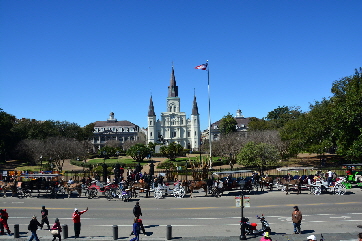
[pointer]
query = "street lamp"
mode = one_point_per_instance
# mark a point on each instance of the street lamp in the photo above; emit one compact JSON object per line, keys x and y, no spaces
{"x":242,"y":222}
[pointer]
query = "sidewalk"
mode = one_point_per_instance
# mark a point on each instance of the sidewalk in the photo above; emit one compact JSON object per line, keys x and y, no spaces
{"x":277,"y":237}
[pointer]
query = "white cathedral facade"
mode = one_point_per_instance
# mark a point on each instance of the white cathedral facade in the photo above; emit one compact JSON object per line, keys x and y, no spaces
{"x":173,"y":125}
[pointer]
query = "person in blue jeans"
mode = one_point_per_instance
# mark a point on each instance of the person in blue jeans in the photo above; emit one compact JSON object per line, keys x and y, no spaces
{"x":33,"y":226}
{"x":136,"y":230}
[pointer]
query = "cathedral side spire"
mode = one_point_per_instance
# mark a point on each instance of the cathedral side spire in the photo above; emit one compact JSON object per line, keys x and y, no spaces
{"x":195,"y":109}
{"x":173,"y":88}
{"x":151,"y":108}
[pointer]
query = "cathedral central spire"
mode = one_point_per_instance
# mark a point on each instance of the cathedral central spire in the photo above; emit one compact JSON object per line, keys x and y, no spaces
{"x":173,"y":88}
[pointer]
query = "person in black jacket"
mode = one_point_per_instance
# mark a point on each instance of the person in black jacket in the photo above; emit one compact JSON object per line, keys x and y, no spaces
{"x":44,"y":217}
{"x":32,"y":227}
{"x":137,"y":212}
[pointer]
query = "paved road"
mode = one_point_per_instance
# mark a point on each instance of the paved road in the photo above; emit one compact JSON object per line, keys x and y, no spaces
{"x":200,"y":218}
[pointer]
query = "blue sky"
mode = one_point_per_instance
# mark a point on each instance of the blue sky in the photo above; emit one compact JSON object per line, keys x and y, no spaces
{"x":79,"y":60}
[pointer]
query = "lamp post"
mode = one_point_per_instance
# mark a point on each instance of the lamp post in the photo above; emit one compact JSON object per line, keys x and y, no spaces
{"x":242,"y":222}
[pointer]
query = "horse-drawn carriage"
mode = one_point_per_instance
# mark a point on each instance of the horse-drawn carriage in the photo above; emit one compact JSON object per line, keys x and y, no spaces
{"x":178,"y":190}
{"x":354,"y":174}
{"x":320,"y":186}
{"x":110,"y":191}
{"x":39,"y":184}
{"x":232,"y":180}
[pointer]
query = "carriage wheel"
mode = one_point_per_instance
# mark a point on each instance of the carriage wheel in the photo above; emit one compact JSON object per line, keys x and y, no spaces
{"x":317,"y":191}
{"x":20,"y":193}
{"x":254,"y":187}
{"x":108,"y":194}
{"x":340,"y":189}
{"x":157,"y":193}
{"x":179,"y":192}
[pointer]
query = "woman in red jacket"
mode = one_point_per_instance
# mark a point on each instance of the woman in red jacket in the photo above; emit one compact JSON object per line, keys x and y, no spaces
{"x":76,"y":221}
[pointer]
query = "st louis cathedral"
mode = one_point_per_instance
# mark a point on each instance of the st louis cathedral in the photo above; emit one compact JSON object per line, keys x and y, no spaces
{"x":173,"y":126}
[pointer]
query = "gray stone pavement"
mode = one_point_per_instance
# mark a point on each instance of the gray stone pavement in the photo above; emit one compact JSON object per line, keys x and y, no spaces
{"x":277,"y":237}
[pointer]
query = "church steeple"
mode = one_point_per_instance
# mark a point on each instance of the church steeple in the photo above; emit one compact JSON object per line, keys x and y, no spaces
{"x":195,"y":109}
{"x":151,"y":108}
{"x":173,"y":88}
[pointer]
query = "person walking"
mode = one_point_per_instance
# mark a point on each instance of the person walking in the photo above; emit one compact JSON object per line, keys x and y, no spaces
{"x":58,"y":228}
{"x":44,"y":217}
{"x":4,"y":222}
{"x":137,"y":212}
{"x":32,"y":227}
{"x":297,"y":219}
{"x":76,"y":221}
{"x":136,"y":230}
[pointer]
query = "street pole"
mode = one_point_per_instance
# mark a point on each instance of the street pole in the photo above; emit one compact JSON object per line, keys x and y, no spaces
{"x":242,"y":223}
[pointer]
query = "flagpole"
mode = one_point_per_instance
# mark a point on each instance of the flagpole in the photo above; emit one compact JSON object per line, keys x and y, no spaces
{"x":208,"y":88}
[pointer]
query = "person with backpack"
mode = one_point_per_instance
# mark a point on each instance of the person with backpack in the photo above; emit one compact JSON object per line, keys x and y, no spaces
{"x":137,"y":212}
{"x":32,"y":227}
{"x":44,"y":217}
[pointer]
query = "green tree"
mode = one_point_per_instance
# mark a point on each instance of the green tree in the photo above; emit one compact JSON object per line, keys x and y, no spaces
{"x":138,"y":152}
{"x":312,"y":131}
{"x":261,"y":155}
{"x":227,"y":124}
{"x":347,"y":115}
{"x":171,"y":150}
{"x":281,"y":115}
{"x":256,"y":124}
{"x":6,"y":137}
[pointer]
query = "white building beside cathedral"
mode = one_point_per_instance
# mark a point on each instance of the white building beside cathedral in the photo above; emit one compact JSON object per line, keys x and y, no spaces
{"x":173,"y":125}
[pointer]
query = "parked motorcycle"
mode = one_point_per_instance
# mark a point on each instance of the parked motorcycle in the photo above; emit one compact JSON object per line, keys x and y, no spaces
{"x":250,"y":228}
{"x":264,"y":224}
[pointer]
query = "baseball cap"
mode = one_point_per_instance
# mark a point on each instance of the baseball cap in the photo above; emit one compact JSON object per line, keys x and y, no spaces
{"x":266,"y":234}
{"x":75,"y":209}
{"x":312,"y":237}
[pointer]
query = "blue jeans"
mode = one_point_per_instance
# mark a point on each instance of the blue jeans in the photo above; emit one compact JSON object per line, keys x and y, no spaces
{"x":136,"y":238}
{"x":329,"y":180}
{"x":296,"y":227}
{"x":34,"y":235}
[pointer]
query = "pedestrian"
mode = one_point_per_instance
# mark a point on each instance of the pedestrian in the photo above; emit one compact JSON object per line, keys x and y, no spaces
{"x":76,"y":221}
{"x":312,"y":238}
{"x":137,"y":212}
{"x":136,"y":230}
{"x":140,"y":223}
{"x":4,"y":222}
{"x":44,"y":217}
{"x":32,"y":227}
{"x":360,"y":237}
{"x":266,"y":237}
{"x":56,"y":230}
{"x":297,"y":219}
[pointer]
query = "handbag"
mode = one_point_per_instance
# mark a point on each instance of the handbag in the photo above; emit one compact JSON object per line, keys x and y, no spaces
{"x":54,"y":232}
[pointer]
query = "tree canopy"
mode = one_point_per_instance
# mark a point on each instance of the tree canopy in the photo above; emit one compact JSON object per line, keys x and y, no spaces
{"x":227,"y":124}
{"x":260,"y":155}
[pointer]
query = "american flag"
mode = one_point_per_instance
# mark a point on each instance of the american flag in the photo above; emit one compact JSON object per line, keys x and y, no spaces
{"x":202,"y":67}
